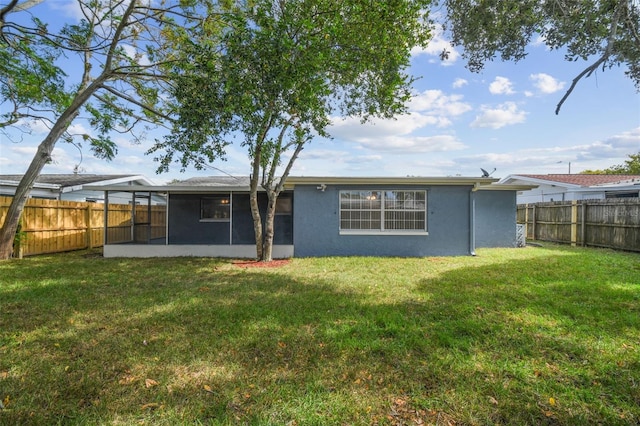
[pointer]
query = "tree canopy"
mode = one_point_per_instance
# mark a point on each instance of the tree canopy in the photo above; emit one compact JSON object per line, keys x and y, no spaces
{"x":604,"y":32}
{"x":278,"y":75}
{"x":109,"y":67}
{"x":630,"y":167}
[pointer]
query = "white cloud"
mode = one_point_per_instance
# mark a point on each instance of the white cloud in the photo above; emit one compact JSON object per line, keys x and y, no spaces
{"x":435,"y":102}
{"x":545,"y":83}
{"x":501,"y":86}
{"x":351,"y":129}
{"x":436,"y":47}
{"x":132,"y":53}
{"x":459,"y":82}
{"x":539,"y":41}
{"x":595,"y":155}
{"x":68,"y":8}
{"x":505,"y":114}
{"x":413,"y":144}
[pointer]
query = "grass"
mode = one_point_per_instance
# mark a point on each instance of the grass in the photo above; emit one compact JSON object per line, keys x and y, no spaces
{"x":541,"y":335}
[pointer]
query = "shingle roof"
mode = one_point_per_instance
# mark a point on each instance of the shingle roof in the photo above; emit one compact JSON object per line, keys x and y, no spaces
{"x":586,"y":180}
{"x":65,"y":180}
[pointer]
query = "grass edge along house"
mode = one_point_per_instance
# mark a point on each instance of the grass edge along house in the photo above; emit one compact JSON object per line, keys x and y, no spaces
{"x":317,"y":216}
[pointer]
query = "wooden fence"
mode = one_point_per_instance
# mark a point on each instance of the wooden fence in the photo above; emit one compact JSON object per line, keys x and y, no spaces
{"x":52,"y":226}
{"x":611,"y":223}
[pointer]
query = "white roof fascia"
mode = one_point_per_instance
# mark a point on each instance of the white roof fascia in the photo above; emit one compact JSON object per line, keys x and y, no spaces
{"x":35,"y":185}
{"x":506,"y":187}
{"x":333,"y":180}
{"x":175,"y":189}
{"x":537,"y":181}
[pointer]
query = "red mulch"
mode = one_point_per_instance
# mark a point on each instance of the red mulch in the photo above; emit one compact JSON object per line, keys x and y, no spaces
{"x":256,"y":264}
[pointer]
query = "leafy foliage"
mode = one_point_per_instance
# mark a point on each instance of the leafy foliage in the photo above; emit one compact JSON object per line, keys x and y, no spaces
{"x":603,"y":31}
{"x":280,"y":71}
{"x":111,"y":65}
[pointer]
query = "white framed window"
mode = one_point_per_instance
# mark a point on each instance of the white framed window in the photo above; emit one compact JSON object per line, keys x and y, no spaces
{"x":388,"y":211}
{"x":216,"y":208}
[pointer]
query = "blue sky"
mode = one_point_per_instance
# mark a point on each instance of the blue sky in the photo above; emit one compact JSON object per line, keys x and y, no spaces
{"x":459,"y":122}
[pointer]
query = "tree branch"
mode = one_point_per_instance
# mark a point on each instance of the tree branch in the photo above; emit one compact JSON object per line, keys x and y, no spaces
{"x":131,"y":100}
{"x":611,"y":39}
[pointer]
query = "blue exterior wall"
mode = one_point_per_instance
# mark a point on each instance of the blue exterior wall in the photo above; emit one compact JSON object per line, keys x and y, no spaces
{"x":316,"y":217}
{"x":495,"y":218}
{"x":185,"y":226}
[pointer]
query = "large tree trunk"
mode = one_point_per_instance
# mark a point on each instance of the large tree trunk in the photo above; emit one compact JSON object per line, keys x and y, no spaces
{"x":42,"y":157}
{"x":253,"y":200}
{"x":257,"y":222}
{"x":269,"y":228}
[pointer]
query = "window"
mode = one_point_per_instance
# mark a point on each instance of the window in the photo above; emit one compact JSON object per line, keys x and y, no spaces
{"x":383,"y":211}
{"x":215,"y":208}
{"x":284,"y":204}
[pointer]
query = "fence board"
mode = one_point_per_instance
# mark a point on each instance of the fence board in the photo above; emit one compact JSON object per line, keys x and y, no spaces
{"x":51,"y":226}
{"x":611,"y":223}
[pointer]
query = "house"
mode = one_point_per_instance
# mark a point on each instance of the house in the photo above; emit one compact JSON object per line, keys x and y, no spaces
{"x":563,"y":187}
{"x":71,"y":187}
{"x":323,"y":216}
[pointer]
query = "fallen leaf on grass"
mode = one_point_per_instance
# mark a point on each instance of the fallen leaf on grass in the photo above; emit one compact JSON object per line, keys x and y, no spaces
{"x":552,"y":401}
{"x":127,"y":379}
{"x":493,"y":400}
{"x":151,"y":406}
{"x":207,"y":388}
{"x":149,"y":383}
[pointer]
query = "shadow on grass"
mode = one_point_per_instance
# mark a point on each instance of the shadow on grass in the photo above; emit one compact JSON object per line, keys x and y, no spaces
{"x":195,"y":340}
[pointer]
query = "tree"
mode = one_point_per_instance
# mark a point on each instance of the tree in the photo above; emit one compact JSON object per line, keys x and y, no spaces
{"x":118,"y":53}
{"x":630,"y":167}
{"x":605,"y":32}
{"x":282,"y":69}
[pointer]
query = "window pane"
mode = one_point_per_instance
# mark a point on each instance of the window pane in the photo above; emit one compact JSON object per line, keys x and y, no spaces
{"x":284,"y":205}
{"x":383,"y":210}
{"x":215,"y":208}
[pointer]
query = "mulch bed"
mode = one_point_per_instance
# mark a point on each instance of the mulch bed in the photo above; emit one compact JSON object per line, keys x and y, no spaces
{"x":257,"y":264}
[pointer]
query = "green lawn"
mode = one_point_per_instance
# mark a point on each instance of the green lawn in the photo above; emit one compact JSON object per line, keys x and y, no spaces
{"x":541,"y":335}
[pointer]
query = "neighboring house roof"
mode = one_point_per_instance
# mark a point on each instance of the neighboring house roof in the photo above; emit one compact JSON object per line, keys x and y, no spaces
{"x":574,"y":181}
{"x":54,"y":185}
{"x":67,"y":180}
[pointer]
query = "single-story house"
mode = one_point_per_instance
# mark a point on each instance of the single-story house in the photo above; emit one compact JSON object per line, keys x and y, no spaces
{"x":323,"y":216}
{"x":71,"y":187}
{"x":563,"y":187}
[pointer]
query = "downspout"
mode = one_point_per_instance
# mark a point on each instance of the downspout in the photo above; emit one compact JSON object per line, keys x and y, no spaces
{"x":472,"y":219}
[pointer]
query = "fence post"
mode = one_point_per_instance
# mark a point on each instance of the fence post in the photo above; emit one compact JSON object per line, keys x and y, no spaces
{"x":583,"y":225}
{"x":88,"y":216}
{"x":533,"y":223}
{"x":526,"y":221}
{"x":574,"y":223}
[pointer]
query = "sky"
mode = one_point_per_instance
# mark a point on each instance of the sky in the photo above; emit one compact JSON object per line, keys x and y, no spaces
{"x":501,"y":120}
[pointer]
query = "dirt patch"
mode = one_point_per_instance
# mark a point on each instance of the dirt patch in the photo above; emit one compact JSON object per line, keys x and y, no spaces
{"x":257,"y":264}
